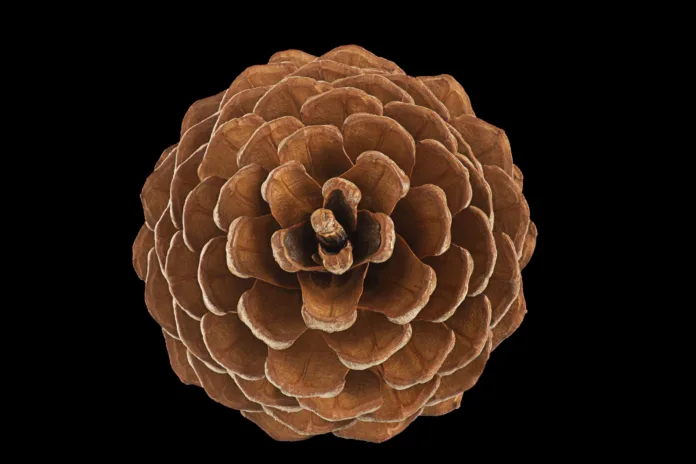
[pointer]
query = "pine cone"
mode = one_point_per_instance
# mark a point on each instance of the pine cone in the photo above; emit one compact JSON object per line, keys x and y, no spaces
{"x":334,"y":246}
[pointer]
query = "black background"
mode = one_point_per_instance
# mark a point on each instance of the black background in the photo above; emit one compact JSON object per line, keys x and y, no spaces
{"x":522,"y":83}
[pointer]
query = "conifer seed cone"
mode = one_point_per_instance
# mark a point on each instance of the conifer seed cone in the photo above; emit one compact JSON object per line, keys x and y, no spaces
{"x":334,"y":246}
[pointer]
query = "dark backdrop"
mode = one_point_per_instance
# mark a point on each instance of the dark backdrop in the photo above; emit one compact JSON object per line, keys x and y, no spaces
{"x":522,"y":84}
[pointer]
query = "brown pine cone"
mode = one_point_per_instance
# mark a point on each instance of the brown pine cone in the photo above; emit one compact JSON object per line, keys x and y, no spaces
{"x":335,"y":246}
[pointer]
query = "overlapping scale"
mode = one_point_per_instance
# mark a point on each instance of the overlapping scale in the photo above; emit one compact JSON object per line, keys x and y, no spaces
{"x":422,"y":123}
{"x":241,"y":196}
{"x":334,"y":106}
{"x":295,"y":248}
{"x":194,"y":138}
{"x":462,"y":379}
{"x":470,"y":324}
{"x":181,"y":270}
{"x":529,"y":245}
{"x":489,"y":143}
{"x":421,"y":358}
{"x":165,"y":154}
{"x":420,"y":93}
{"x":291,"y":193}
{"x":357,"y":56}
{"x":258,"y":76}
{"x":306,"y":422}
{"x":232,"y":345}
{"x":450,"y":93}
{"x":327,"y":70}
{"x":296,"y":57}
{"x":220,"y":158}
{"x":197,"y":218}
{"x":262,"y":146}
{"x":221,"y":387}
{"x":370,"y":341}
{"x":308,"y":368}
{"x":184,"y":180}
{"x":369,"y":132}
{"x":273,"y":428}
{"x":155,"y":193}
{"x":376,"y":85}
{"x":472,"y":231}
{"x":481,"y":194}
{"x":265,"y":393}
{"x":506,"y":279}
{"x":190,"y":334}
{"x":164,"y":231}
{"x":509,"y":206}
{"x":221,"y":289}
{"x":438,"y":166}
{"x":360,"y":396}
{"x":400,"y":287}
{"x":249,"y":254}
{"x":178,"y":359}
{"x":510,"y":321}
{"x":443,"y":407}
{"x":375,"y":432}
{"x":380,"y":180}
{"x":424,"y":220}
{"x":453,"y":271}
{"x":286,"y":98}
{"x":142,"y":245}
{"x":239,"y":105}
{"x":201,"y":110}
{"x":273,"y":314}
{"x":330,"y":302}
{"x":399,"y":405}
{"x":158,"y":300}
{"x":319,"y":149}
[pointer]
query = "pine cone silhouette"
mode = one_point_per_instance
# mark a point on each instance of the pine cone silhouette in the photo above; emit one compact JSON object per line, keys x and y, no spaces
{"x":334,"y":246}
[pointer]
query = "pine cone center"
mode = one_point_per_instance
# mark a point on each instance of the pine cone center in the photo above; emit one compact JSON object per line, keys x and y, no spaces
{"x":330,"y":233}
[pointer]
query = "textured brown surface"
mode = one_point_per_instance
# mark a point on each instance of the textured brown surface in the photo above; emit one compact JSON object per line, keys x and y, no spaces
{"x":334,"y":246}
